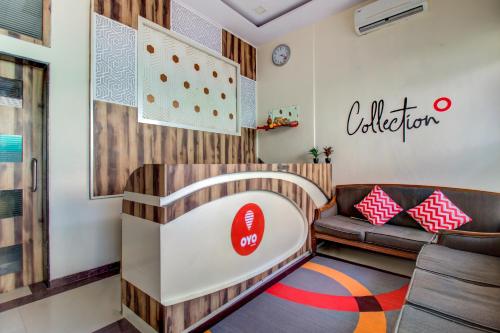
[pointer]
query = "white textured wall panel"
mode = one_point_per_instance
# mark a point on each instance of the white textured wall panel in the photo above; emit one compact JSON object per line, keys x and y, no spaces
{"x":114,"y":62}
{"x":189,"y":24}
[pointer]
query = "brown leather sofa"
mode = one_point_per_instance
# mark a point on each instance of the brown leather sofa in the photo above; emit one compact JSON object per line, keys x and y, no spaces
{"x":341,"y":222}
{"x":455,"y":286}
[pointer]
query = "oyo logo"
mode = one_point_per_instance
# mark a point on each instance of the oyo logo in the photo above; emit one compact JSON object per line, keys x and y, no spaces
{"x":247,"y":229}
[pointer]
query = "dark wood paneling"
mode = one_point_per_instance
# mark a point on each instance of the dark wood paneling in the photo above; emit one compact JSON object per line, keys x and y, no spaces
{"x":127,"y":11}
{"x":121,"y":145}
{"x":162,"y":180}
{"x":147,"y":308}
{"x":240,"y":52}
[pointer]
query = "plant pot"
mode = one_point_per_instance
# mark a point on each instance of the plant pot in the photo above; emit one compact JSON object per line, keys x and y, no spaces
{"x":316,"y":160}
{"x":328,"y":160}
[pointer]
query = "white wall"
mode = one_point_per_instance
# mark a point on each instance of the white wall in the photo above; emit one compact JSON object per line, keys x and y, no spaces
{"x":284,"y":86}
{"x":452,"y":50}
{"x":84,"y":234}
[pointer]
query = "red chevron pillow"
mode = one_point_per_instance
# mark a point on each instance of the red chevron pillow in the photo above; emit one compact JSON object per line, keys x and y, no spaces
{"x":437,"y":212}
{"x":378,"y":207}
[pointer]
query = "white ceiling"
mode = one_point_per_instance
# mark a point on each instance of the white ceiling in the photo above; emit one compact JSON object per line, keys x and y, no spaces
{"x":223,"y":15}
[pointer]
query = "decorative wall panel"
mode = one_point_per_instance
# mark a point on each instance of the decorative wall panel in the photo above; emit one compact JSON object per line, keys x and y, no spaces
{"x":182,"y":85}
{"x":189,"y":24}
{"x":248,"y":103}
{"x":114,"y":62}
{"x":120,"y":143}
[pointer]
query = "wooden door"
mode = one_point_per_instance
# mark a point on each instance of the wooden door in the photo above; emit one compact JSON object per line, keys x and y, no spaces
{"x":21,"y":174}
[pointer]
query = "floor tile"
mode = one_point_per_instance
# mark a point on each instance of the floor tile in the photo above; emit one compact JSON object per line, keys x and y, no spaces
{"x":84,"y":309}
{"x":11,"y":322}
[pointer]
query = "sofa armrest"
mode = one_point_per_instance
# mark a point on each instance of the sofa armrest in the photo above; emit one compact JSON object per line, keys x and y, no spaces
{"x":479,"y":242}
{"x":328,"y":209}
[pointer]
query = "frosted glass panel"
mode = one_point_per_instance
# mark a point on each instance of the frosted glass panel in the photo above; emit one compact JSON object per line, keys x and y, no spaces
{"x":11,"y":258}
{"x":11,"y":203}
{"x":22,"y":16}
{"x":11,"y":148}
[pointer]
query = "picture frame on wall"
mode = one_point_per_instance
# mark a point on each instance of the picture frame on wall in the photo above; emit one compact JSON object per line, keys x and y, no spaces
{"x":184,"y":84}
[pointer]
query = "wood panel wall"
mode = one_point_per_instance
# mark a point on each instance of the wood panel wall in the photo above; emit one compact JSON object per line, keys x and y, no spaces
{"x":162,"y":180}
{"x":241,"y":52}
{"x":128,"y":11}
{"x":121,"y":144}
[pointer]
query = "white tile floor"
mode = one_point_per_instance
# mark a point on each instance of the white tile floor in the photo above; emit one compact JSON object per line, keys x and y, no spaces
{"x":83,"y":309}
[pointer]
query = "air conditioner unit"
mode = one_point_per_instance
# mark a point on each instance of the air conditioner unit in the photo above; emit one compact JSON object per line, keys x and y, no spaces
{"x":382,"y":12}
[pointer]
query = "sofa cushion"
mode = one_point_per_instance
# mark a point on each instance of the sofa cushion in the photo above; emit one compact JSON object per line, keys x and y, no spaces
{"x":343,"y":227}
{"x":378,"y":207}
{"x":403,"y":238}
{"x":413,"y":320}
{"x":483,"y":207}
{"x":468,"y":266}
{"x":437,"y":212}
{"x":473,"y":303}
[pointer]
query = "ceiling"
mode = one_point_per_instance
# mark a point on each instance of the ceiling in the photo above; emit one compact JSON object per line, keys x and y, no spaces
{"x":261,"y":21}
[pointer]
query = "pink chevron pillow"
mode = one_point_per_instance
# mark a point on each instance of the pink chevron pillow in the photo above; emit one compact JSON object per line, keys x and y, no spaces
{"x":437,"y":212}
{"x":378,"y":207}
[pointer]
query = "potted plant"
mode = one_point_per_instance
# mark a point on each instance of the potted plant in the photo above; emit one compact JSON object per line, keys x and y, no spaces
{"x":328,"y":151}
{"x":315,"y":153}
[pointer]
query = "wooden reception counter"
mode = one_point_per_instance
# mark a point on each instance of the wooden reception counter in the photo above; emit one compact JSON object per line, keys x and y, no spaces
{"x":199,"y":237}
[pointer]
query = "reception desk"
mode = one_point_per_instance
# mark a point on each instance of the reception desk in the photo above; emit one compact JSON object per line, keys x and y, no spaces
{"x":197,"y":238}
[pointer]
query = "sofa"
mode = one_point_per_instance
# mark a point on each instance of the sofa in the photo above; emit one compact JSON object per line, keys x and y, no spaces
{"x":455,"y":286}
{"x":340,"y":222}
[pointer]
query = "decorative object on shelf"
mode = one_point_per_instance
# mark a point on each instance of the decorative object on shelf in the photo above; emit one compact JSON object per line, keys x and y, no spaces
{"x":315,"y":153}
{"x":281,"y":55}
{"x":283,"y":117}
{"x":328,"y":151}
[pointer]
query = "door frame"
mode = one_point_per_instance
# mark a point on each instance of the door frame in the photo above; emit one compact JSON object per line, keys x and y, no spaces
{"x":45,"y":156}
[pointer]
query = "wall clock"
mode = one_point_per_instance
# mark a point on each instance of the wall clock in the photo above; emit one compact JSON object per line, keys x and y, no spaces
{"x":281,"y":54}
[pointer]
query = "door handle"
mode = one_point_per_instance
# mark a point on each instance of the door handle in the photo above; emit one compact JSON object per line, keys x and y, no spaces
{"x":34,"y":175}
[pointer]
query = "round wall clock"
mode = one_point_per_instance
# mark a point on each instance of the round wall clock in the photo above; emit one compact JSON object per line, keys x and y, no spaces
{"x":281,"y":54}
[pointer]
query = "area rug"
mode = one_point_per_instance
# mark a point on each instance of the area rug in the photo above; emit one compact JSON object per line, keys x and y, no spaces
{"x":323,"y":295}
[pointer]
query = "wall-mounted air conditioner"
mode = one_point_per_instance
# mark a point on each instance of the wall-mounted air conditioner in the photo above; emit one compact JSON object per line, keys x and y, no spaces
{"x":382,"y":12}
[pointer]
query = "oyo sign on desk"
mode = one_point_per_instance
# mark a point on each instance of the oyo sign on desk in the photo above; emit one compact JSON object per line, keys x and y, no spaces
{"x":247,"y":229}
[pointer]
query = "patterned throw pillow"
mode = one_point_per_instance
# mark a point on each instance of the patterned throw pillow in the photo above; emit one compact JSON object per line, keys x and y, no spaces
{"x":437,"y":212}
{"x":378,"y":207}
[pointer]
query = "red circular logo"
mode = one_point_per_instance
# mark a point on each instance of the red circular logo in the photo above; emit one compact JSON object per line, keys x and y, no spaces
{"x":247,"y":229}
{"x":442,"y":104}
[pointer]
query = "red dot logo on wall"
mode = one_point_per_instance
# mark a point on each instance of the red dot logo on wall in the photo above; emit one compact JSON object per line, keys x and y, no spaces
{"x":247,"y":229}
{"x":442,"y":104}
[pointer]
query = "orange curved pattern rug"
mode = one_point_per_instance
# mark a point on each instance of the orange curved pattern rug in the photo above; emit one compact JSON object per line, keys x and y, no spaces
{"x":324,"y":295}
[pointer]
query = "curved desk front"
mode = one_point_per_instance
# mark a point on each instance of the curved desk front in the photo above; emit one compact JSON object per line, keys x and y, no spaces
{"x":198,"y":237}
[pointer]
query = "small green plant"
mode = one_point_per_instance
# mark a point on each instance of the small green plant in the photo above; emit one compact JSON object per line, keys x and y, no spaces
{"x":314,"y":152}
